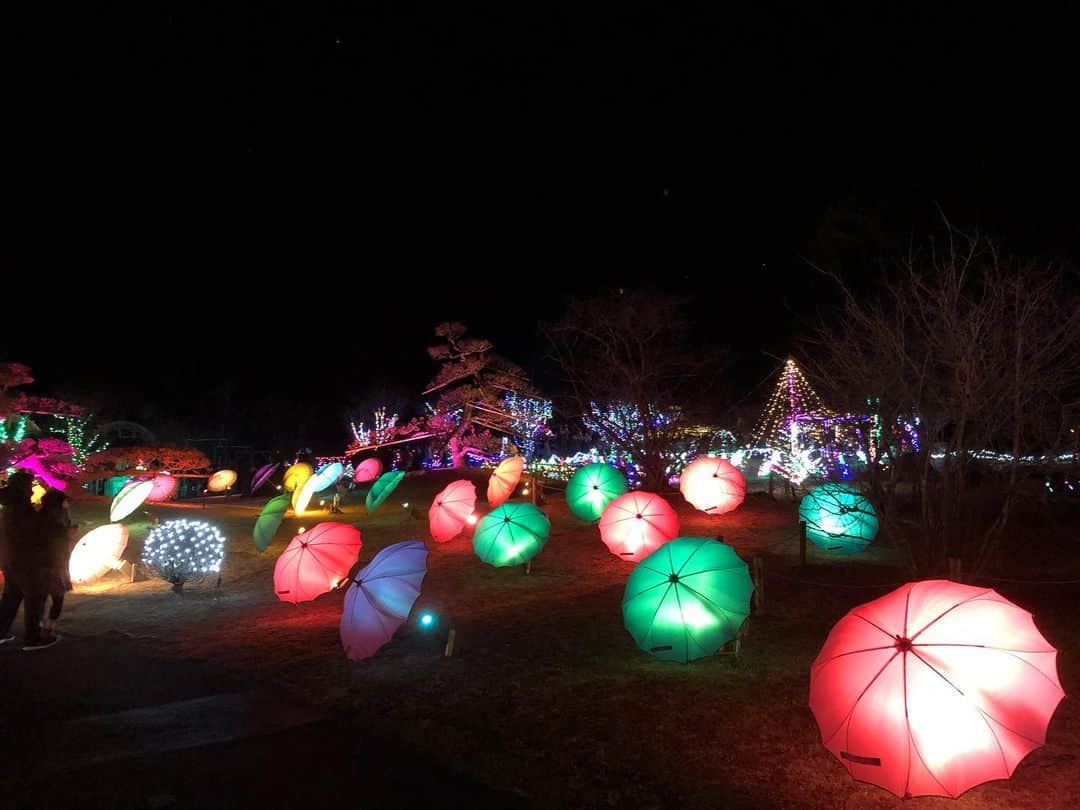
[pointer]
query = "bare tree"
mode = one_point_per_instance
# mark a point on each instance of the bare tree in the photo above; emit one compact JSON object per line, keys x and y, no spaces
{"x":629,"y":371}
{"x":984,"y":349}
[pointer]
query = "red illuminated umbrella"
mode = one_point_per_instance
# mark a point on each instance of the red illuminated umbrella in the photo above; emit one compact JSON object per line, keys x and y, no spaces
{"x":934,"y":688}
{"x":504,"y":479}
{"x":315,"y":562}
{"x":367,"y":470}
{"x":634,"y":525}
{"x":451,"y":509}
{"x":713,"y":485}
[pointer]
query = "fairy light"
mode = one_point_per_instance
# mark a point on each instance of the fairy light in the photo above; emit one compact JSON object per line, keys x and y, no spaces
{"x":182,"y":551}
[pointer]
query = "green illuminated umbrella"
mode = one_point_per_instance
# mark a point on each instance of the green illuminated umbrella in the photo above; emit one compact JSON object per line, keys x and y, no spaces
{"x":838,"y":518}
{"x":511,"y":534}
{"x":687,"y":599}
{"x":592,"y":488}
{"x":382,"y":488}
{"x":269,"y":520}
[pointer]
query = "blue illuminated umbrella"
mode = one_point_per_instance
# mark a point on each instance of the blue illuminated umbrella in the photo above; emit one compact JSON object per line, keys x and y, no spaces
{"x":380,"y":597}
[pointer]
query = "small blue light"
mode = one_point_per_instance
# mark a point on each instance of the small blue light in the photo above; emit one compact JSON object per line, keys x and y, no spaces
{"x":427,"y":619}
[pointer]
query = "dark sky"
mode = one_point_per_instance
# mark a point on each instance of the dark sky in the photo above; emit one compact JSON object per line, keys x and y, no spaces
{"x":249,"y":212}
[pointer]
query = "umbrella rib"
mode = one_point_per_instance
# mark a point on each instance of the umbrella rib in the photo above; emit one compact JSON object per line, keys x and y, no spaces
{"x":686,"y":630}
{"x":853,"y":652}
{"x":945,"y":613}
{"x":736,"y":567}
{"x":377,"y":611}
{"x":687,"y":560}
{"x":860,"y":697}
{"x":907,"y":604}
{"x":651,"y":587}
{"x":986,"y":647}
{"x":882,"y":629}
{"x":659,"y":604}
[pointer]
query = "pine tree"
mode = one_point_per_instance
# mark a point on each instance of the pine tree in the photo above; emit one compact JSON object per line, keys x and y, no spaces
{"x":792,"y":397}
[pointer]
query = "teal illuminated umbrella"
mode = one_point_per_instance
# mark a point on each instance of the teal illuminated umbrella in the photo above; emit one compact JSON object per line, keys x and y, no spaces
{"x":381,"y":489}
{"x":687,"y":599}
{"x":838,"y":518}
{"x":592,"y":488}
{"x":511,"y":534}
{"x":269,"y":520}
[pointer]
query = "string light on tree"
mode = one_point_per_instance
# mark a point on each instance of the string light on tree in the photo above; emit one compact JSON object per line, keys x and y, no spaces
{"x":14,"y":428}
{"x":75,"y":433}
{"x":182,"y":551}
{"x":529,"y":417}
{"x":792,"y":397}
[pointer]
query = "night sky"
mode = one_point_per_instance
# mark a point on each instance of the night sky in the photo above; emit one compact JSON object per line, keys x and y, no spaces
{"x":251,"y":217}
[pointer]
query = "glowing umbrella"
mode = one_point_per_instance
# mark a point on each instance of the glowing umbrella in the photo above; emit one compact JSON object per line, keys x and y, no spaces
{"x":451,"y":509}
{"x":129,"y":498}
{"x":367,"y":470}
{"x":511,"y":534}
{"x":381,"y":596}
{"x":838,"y":518}
{"x":164,"y":487}
{"x":382,"y":488}
{"x":98,"y":552}
{"x":295,"y":476}
{"x":634,"y":525}
{"x":221,"y":480}
{"x":262,"y":475}
{"x":316,"y":562}
{"x":687,"y":599}
{"x":713,"y":485}
{"x":934,"y":688}
{"x":303,"y":494}
{"x":269,"y":521}
{"x":504,"y":479}
{"x":328,"y":475}
{"x":592,"y":488}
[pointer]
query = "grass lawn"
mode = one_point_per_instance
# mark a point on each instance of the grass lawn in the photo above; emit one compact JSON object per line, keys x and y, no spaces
{"x":547,"y":700}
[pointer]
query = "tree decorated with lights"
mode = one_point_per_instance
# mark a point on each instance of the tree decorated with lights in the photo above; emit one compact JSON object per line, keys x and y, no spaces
{"x":84,"y":442}
{"x":152,"y":458}
{"x":472,"y":385}
{"x":182,"y":551}
{"x":529,"y":417}
{"x":777,"y":428}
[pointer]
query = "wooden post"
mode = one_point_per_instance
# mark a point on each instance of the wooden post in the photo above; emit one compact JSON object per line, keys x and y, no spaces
{"x":802,"y":543}
{"x":448,"y":651}
{"x":528,"y":568}
{"x":532,"y":489}
{"x":759,"y":583}
{"x":771,"y":484}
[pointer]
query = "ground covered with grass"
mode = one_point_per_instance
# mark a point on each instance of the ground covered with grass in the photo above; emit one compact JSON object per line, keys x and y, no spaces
{"x":546,"y":700}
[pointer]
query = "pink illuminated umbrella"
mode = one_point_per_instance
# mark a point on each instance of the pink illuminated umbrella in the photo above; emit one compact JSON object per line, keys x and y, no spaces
{"x":380,"y":597}
{"x":634,"y":525}
{"x":262,"y":475}
{"x":713,"y":485}
{"x":367,"y":470}
{"x":451,"y":509}
{"x":504,"y":479}
{"x":934,"y":688}
{"x":164,"y":487}
{"x":316,"y":562}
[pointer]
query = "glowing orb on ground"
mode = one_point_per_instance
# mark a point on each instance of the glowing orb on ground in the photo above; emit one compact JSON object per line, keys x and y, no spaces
{"x":838,"y":518}
{"x":687,"y":599}
{"x":130,"y":498}
{"x":295,"y":476}
{"x":98,"y":552}
{"x":592,"y":488}
{"x":221,"y":480}
{"x":504,"y":479}
{"x":934,"y":688}
{"x":634,"y":525}
{"x":713,"y":485}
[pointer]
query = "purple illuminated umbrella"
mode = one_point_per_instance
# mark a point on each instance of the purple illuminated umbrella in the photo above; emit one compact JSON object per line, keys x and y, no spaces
{"x":262,"y":475}
{"x":380,"y":597}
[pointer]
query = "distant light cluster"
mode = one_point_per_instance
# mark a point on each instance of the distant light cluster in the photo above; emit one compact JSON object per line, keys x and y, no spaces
{"x":181,"y":551}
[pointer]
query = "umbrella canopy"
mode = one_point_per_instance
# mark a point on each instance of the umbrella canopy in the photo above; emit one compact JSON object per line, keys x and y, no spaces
{"x":713,"y":485}
{"x":380,"y":597}
{"x":303,"y":494}
{"x":687,"y":599}
{"x":262,"y":475}
{"x":98,"y":552}
{"x":296,"y":475}
{"x":164,"y":487}
{"x":934,"y":688}
{"x":511,"y":534}
{"x":367,"y":470}
{"x":129,"y":499}
{"x":451,"y":509}
{"x":504,"y":478}
{"x":316,"y":562}
{"x":592,"y":488}
{"x":269,"y":521}
{"x":382,"y":488}
{"x":328,"y":475}
{"x":221,"y":480}
{"x":634,"y":525}
{"x":838,"y":518}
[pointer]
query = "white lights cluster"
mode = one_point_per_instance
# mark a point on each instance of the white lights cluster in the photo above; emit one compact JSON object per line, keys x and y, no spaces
{"x":184,"y":550}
